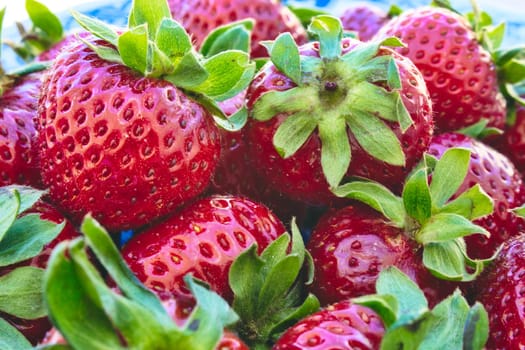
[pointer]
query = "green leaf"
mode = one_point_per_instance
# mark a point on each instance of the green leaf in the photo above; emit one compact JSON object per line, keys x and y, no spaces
{"x":472,"y":204}
{"x":96,"y":27}
{"x":26,"y":238}
{"x":403,"y":117}
{"x":335,"y":150}
{"x":493,"y":37}
{"x":44,"y":19}
{"x":290,"y":317}
{"x":476,"y":328}
{"x":298,"y":99}
{"x":21,"y":293}
{"x":293,"y":133}
{"x":520,"y":211}
{"x":409,"y":335}
{"x":475,"y":129}
{"x":377,"y":196}
{"x":329,"y":32}
{"x":376,"y":138}
{"x":173,"y":40}
{"x":363,"y":54}
{"x":105,"y":250}
{"x":411,"y":300}
{"x":305,"y":14}
{"x":69,"y":306}
{"x":448,"y":175}
{"x":232,"y":36}
{"x":447,"y":329}
{"x":416,"y":197}
{"x":446,"y":260}
{"x":104,"y":52}
{"x":149,"y":13}
{"x":229,"y":72}
{"x":394,"y":79}
{"x":514,"y":71}
{"x":189,"y":73}
{"x":11,"y":338}
{"x":514,"y":93}
{"x":443,"y":227}
{"x":28,"y":195}
{"x":285,"y":56}
{"x":234,"y":122}
{"x":502,"y":57}
{"x":384,"y":305}
{"x":9,"y":207}
{"x":133,"y":49}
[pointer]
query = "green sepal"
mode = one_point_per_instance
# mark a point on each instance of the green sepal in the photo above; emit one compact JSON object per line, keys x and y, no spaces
{"x":520,"y":211}
{"x":493,"y":36}
{"x":393,"y":77}
{"x":29,"y":68}
{"x":479,"y":130}
{"x":476,"y":328}
{"x":21,"y":293}
{"x":513,"y":92}
{"x":384,"y":305}
{"x":26,"y":238}
{"x":107,"y":53}
{"x":272,"y":299}
{"x":335,"y":150}
{"x":232,"y":36}
{"x":408,"y":335}
{"x":11,"y":338}
{"x":44,"y":20}
{"x":2,"y":15}
{"x":97,"y":28}
{"x":472,"y":204}
{"x":9,"y":208}
{"x":188,"y":73}
{"x":416,"y":197}
{"x":293,"y":133}
{"x":150,"y":13}
{"x":376,"y":196}
{"x":443,"y":227}
{"x":448,"y":261}
{"x":284,"y":54}
{"x":234,"y":122}
{"x":53,"y":347}
{"x":305,"y":14}
{"x":172,"y":40}
{"x":514,"y":71}
{"x":394,"y":11}
{"x":448,"y":175}
{"x":298,"y":99}
{"x":329,"y":32}
{"x":133,"y":49}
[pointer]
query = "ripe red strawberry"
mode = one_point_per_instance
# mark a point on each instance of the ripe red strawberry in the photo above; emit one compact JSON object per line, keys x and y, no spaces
{"x":500,"y":289}
{"x":343,"y":325}
{"x":460,"y":74}
{"x":18,"y":151}
{"x":310,"y":131}
{"x":132,"y":144}
{"x":512,"y":142}
{"x":497,"y":176}
{"x":421,"y":233}
{"x":203,"y":239}
{"x":365,"y":19}
{"x":271,"y":17}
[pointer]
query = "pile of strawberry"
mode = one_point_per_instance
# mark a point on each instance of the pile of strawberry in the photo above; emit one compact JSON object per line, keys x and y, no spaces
{"x":289,"y":180}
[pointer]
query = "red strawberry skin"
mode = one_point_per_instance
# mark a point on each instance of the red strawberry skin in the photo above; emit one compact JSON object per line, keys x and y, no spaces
{"x":496,"y":174}
{"x":300,"y":176}
{"x":34,"y":330}
{"x":501,"y":290}
{"x":199,"y":17}
{"x":203,"y":239}
{"x":512,"y":143}
{"x":352,"y":245}
{"x":365,"y":19}
{"x":343,"y":325}
{"x":18,"y":113}
{"x":459,"y":73}
{"x":126,"y":148}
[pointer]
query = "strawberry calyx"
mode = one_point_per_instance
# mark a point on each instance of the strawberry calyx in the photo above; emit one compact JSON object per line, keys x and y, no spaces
{"x":272,"y":298}
{"x":79,"y":300}
{"x":46,"y":31}
{"x":409,"y":324}
{"x":157,"y":46}
{"x":358,"y":91}
{"x":430,"y":214}
{"x":22,"y":236}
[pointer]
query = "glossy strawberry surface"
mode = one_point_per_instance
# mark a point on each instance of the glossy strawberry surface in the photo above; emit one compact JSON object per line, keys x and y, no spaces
{"x":365,"y":19}
{"x":342,"y":325}
{"x":203,"y":239}
{"x":199,"y":17}
{"x":496,"y":174}
{"x":126,"y":148}
{"x":512,"y":143}
{"x":18,"y":151}
{"x":459,"y":73}
{"x":502,"y":290}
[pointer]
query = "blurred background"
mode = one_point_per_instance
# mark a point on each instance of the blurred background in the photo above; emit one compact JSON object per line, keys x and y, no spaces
{"x":115,"y":11}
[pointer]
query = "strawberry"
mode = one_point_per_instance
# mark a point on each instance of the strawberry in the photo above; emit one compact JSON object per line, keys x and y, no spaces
{"x":459,"y":72}
{"x":24,"y":254}
{"x":500,"y":290}
{"x":203,"y":239}
{"x":420,"y":233}
{"x":512,"y":142}
{"x":499,"y":178}
{"x":343,"y":325}
{"x":131,"y":144}
{"x":333,"y":108}
{"x":365,"y":19}
{"x":271,"y":17}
